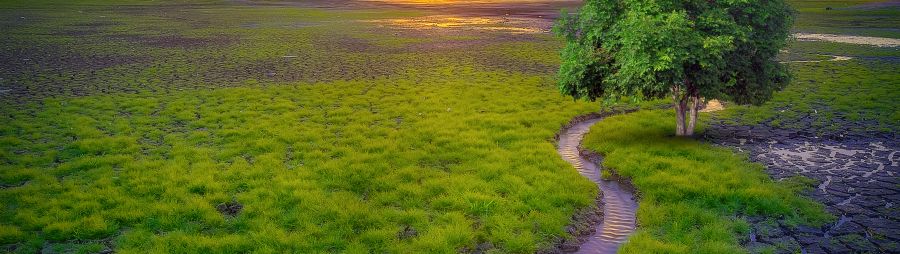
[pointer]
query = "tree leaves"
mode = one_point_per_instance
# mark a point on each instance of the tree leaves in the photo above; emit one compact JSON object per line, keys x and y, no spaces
{"x":639,"y":49}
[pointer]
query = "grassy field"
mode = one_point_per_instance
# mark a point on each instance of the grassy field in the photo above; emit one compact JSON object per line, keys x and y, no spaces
{"x":231,"y":128}
{"x":349,"y":164}
{"x":187,"y":127}
{"x":855,"y":17}
{"x":693,"y":196}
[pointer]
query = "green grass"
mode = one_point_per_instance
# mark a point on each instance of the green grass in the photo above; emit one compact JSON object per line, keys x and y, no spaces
{"x":693,"y":196}
{"x":861,"y":91}
{"x":846,"y":17}
{"x":368,"y":133}
{"x":348,"y":164}
{"x":858,"y":95}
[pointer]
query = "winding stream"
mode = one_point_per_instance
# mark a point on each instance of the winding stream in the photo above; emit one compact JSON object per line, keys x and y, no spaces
{"x":619,"y":205}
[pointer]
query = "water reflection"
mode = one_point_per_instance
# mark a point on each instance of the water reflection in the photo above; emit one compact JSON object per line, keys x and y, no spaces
{"x":514,"y":25}
{"x":445,"y":2}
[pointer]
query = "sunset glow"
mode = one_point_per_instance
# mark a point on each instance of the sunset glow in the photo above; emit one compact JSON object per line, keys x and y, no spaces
{"x":509,"y":25}
{"x":450,"y":126}
{"x":448,"y":2}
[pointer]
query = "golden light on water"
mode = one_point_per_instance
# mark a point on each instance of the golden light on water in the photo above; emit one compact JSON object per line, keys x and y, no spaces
{"x":497,"y":24}
{"x":448,"y":2}
{"x":495,"y":18}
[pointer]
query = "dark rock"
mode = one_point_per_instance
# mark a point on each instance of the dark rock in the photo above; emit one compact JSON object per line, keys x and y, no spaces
{"x":858,"y":243}
{"x":818,"y":160}
{"x":887,"y":233}
{"x":854,"y":209}
{"x":877,"y":222}
{"x":569,"y":247}
{"x":768,"y":229}
{"x":834,"y":246}
{"x":809,"y":230}
{"x":869,"y":202}
{"x":813,"y":249}
{"x":786,"y":244}
{"x":758,"y":247}
{"x":846,"y":228}
{"x":483,"y":247}
{"x":807,"y":239}
{"x":838,"y":193}
{"x":887,"y":245}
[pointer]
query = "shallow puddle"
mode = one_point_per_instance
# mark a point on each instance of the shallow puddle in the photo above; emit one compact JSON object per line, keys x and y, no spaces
{"x":462,"y":2}
{"x":514,"y":25}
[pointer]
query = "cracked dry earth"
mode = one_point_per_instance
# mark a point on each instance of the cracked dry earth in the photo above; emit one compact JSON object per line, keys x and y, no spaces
{"x":858,"y":181}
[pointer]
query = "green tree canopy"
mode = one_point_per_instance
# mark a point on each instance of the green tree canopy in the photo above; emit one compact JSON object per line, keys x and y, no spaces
{"x":686,"y":49}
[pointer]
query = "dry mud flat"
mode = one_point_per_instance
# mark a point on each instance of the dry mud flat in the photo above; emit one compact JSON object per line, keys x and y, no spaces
{"x":833,"y":59}
{"x":173,"y":60}
{"x":850,"y":39}
{"x":858,"y":178}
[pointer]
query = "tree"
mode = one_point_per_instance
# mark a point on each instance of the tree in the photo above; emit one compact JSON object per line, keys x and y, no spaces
{"x":684,"y":49}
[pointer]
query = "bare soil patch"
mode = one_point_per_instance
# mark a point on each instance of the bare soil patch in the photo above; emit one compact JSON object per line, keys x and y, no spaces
{"x":230,"y":208}
{"x":177,"y":41}
{"x":851,"y":39}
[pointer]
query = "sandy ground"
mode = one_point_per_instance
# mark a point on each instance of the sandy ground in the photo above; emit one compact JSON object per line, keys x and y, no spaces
{"x":713,"y":106}
{"x":833,"y":59}
{"x":862,"y":40}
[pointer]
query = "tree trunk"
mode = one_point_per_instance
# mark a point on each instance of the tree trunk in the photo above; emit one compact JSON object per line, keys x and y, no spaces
{"x":694,"y":106}
{"x":680,"y":108}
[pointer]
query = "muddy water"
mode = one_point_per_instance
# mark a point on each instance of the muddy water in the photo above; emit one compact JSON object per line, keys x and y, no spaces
{"x":619,"y":205}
